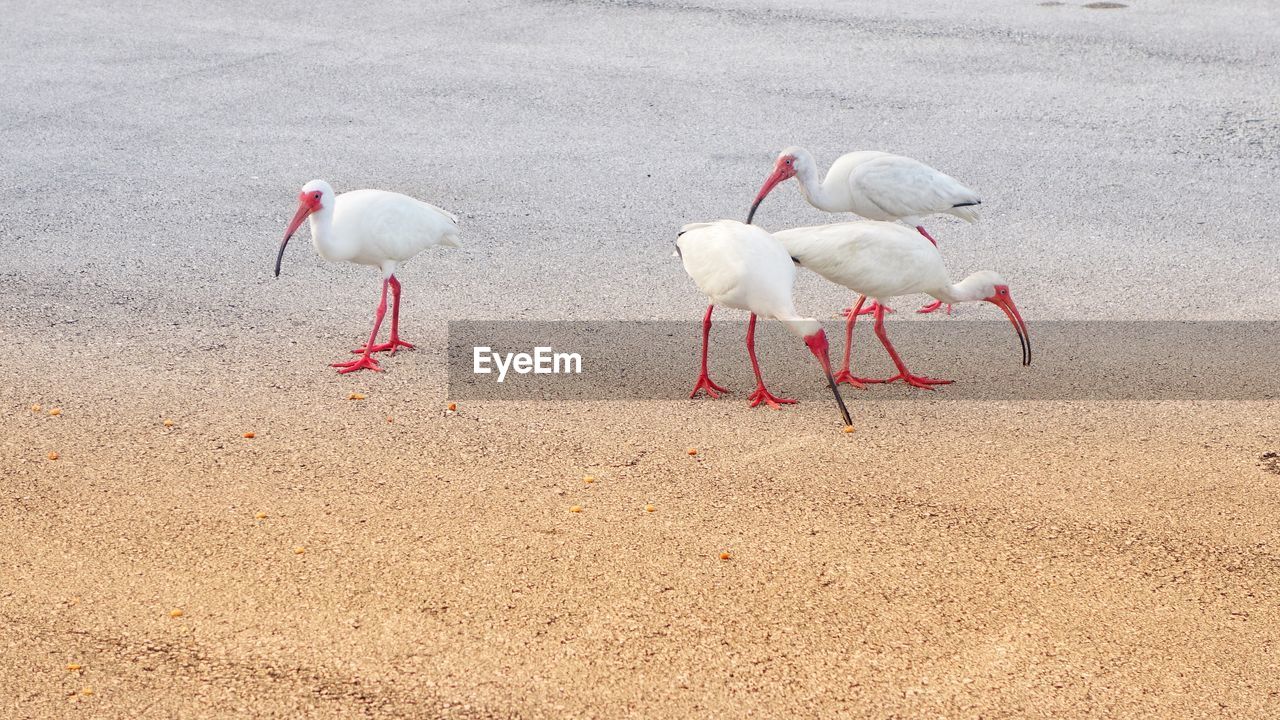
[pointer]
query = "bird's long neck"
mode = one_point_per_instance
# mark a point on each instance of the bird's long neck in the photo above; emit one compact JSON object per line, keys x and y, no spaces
{"x":322,"y":234}
{"x":801,"y":327}
{"x":967,"y":290}
{"x":815,"y":190}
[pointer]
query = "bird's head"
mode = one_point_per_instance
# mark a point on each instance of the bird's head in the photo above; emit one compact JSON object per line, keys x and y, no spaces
{"x":315,"y":196}
{"x":981,"y":285}
{"x":816,"y":340}
{"x":989,"y":287}
{"x":790,"y":162}
{"x":314,"y":193}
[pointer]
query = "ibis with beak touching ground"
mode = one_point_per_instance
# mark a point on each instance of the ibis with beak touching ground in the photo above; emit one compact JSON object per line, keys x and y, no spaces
{"x":741,"y":266}
{"x":877,"y":186}
{"x":371,"y":227}
{"x":882,"y":260}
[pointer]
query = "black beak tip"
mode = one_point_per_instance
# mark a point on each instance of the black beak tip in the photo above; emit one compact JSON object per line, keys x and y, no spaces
{"x":844,"y":411}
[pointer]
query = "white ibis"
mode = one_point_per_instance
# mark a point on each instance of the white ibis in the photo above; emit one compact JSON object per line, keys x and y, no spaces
{"x":742,"y":266}
{"x":371,"y":227}
{"x":877,"y":186}
{"x":882,"y":260}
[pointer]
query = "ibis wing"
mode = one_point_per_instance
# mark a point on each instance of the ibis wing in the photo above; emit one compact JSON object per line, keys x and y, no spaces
{"x":399,"y":227}
{"x":903,"y":187}
{"x":880,"y":259}
{"x":739,"y":266}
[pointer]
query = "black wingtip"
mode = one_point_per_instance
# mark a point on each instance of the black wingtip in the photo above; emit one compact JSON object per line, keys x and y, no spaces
{"x":975,"y":202}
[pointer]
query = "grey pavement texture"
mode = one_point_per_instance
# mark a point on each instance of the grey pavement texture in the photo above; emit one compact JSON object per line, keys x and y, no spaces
{"x":150,"y":153}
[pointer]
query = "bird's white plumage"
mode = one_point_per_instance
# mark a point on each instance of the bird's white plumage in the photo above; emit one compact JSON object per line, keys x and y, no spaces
{"x":881,"y":260}
{"x":377,"y":227}
{"x":883,"y":186}
{"x":743,"y":267}
{"x":370,"y":227}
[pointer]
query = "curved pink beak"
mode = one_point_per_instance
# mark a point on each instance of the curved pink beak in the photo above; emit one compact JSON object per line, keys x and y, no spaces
{"x":1005,"y":303}
{"x":303,"y":211}
{"x":779,"y":174}
{"x":817,"y":343}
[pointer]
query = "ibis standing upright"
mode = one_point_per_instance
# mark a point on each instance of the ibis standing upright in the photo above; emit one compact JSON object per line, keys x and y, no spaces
{"x":371,"y":227}
{"x":882,"y":260}
{"x":742,"y":266}
{"x":877,"y":186}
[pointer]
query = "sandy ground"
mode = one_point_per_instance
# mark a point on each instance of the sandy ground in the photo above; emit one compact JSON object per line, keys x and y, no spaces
{"x":949,"y":559}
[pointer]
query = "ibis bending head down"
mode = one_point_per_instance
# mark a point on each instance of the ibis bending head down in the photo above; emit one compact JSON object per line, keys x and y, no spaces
{"x":370,"y":227}
{"x":741,"y":266}
{"x":881,"y":260}
{"x":875,"y":185}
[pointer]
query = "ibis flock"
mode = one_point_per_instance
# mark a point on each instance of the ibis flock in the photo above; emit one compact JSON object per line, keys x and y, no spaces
{"x":737,"y":265}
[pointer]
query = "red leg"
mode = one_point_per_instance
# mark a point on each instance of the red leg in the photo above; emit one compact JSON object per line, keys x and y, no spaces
{"x":903,"y":373}
{"x":704,"y":382}
{"x":936,"y":303}
{"x":868,"y":309}
{"x":851,"y":317}
{"x":366,"y":361}
{"x":761,"y":395}
{"x":395,"y":341}
{"x":934,"y":306}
